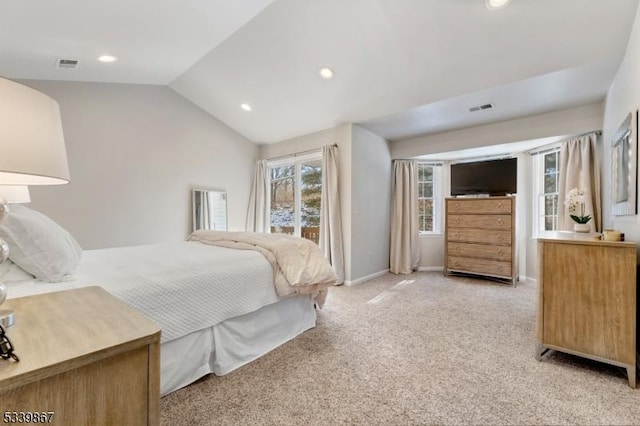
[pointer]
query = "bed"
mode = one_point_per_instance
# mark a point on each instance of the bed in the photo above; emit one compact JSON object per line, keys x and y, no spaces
{"x":215,"y":297}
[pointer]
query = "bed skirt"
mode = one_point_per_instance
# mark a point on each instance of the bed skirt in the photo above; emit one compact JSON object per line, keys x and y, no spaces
{"x":234,"y":342}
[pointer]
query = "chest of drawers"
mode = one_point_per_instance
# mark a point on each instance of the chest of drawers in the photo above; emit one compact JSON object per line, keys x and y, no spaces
{"x":587,"y":299}
{"x":480,"y":237}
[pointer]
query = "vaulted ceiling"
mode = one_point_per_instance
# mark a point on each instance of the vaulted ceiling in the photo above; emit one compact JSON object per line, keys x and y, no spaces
{"x":401,"y":67}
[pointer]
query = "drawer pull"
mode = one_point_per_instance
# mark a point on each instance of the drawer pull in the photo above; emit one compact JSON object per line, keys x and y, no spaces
{"x":500,"y":221}
{"x":499,"y":205}
{"x":456,"y":206}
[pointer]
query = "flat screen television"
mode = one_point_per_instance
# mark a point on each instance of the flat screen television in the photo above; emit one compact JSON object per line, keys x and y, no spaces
{"x":492,"y":177}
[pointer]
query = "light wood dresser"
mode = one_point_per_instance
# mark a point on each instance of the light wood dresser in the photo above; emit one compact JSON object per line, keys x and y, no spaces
{"x":86,"y":358}
{"x":480,"y":237}
{"x":587,"y":299}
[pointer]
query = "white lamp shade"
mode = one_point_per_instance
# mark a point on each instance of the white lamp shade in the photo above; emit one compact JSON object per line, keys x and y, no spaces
{"x":31,"y":139}
{"x":15,"y":194}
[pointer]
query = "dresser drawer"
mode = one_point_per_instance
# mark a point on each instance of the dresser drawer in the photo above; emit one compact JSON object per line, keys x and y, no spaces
{"x":479,"y":206}
{"x":485,"y":236}
{"x":481,"y":251}
{"x":482,"y":221}
{"x":479,"y":266}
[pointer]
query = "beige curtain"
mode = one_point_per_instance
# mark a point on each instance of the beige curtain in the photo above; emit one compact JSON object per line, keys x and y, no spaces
{"x":330,"y":220}
{"x":257,"y":216}
{"x":579,"y":168}
{"x":404,"y":250}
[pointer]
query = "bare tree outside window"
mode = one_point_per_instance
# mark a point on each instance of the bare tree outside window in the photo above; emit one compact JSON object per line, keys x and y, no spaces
{"x":295,"y":199}
{"x":282,"y":199}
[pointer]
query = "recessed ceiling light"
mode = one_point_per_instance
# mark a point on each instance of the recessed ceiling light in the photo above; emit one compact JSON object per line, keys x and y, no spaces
{"x":496,"y":4}
{"x":326,"y":73}
{"x":246,"y":107}
{"x":107,"y":58}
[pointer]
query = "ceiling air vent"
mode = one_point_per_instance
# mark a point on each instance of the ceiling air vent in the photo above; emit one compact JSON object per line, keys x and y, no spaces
{"x":480,"y":107}
{"x":68,"y":64}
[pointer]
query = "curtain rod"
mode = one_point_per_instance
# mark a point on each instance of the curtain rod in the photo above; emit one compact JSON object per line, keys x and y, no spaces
{"x":597,"y":132}
{"x":417,"y":160}
{"x":295,"y":154}
{"x":543,"y":150}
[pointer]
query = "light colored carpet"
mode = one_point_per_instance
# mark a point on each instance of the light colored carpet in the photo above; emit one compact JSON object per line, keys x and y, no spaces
{"x":432,"y":350}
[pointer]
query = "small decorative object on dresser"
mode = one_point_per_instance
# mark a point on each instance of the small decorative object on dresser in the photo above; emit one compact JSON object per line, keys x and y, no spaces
{"x":480,"y":237}
{"x":575,"y":203}
{"x":612,"y":235}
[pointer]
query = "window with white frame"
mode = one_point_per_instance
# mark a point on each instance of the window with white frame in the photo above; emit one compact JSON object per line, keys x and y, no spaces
{"x":548,"y":168}
{"x":428,"y":198}
{"x":295,"y":188}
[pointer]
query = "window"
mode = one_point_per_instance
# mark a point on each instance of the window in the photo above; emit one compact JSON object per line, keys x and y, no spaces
{"x":548,"y":169}
{"x":295,"y":189}
{"x":428,"y":204}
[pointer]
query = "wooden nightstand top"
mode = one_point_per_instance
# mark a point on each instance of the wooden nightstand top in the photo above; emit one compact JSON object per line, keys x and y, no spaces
{"x":56,"y":332}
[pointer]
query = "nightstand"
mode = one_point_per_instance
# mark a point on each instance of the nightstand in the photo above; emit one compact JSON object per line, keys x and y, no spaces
{"x":85,"y":356}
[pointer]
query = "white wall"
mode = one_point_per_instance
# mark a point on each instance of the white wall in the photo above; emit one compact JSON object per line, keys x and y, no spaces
{"x":623,"y":97}
{"x":571,"y":121}
{"x":134,"y":153}
{"x":525,"y":246}
{"x":370,"y":204}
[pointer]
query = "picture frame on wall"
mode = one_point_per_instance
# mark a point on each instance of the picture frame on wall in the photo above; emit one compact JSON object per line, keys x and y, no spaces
{"x":624,"y":167}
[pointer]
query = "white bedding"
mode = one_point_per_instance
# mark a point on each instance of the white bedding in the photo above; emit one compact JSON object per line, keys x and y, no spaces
{"x":299,"y":265}
{"x":184,"y":287}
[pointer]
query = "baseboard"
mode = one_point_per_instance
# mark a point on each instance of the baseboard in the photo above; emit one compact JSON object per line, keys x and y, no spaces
{"x":365,"y":278}
{"x":431,"y":269}
{"x":531,"y":280}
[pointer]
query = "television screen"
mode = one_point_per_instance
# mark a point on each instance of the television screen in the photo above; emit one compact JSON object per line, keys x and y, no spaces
{"x":493,"y":177}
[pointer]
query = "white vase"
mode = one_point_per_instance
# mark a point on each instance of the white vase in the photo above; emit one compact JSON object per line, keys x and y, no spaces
{"x":581,"y":227}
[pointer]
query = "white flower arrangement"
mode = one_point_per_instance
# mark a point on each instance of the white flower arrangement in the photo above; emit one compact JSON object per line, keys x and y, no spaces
{"x":575,"y":203}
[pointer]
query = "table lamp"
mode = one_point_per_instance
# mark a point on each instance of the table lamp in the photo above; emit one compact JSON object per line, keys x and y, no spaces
{"x":9,"y":194}
{"x":33,"y":152}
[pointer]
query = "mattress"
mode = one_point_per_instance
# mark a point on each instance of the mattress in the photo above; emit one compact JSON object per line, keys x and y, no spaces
{"x":184,"y":287}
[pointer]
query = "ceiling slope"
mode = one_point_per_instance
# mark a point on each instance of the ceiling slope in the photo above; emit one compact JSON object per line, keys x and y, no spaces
{"x":154,"y":41}
{"x":402,"y":67}
{"x":391,"y":56}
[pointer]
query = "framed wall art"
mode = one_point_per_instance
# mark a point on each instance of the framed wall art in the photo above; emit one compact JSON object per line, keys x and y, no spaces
{"x":624,"y":167}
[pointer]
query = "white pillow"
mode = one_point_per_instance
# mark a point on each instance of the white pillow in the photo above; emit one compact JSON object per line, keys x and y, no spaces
{"x":12,"y":273}
{"x":39,"y":245}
